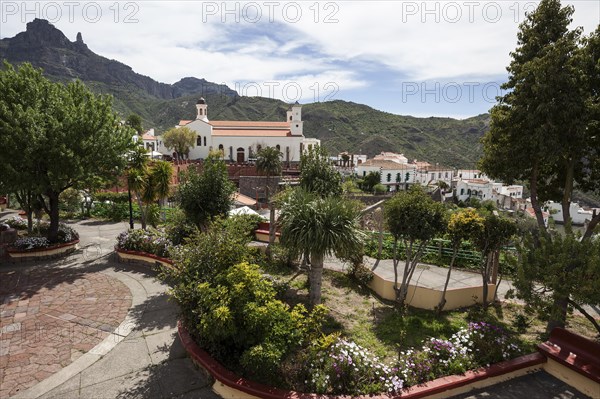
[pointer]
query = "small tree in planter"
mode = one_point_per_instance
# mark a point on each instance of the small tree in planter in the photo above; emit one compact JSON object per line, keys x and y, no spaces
{"x":464,"y":224}
{"x":413,"y":217}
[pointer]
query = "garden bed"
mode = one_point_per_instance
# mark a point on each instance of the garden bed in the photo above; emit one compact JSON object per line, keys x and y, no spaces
{"x":51,"y":252}
{"x":128,"y":256}
{"x":229,"y":385}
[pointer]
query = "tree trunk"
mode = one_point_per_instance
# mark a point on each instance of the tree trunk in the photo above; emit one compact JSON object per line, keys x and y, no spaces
{"x":534,"y":200}
{"x":315,"y":277}
{"x":566,"y":200}
{"x":442,"y":303}
{"x":485,"y":277}
{"x":54,"y":216}
{"x":591,"y":226}
{"x":395,"y":261}
{"x":380,"y":239}
{"x":271,"y":228}
{"x":402,"y":292}
{"x":558,"y":315}
{"x":142,"y":211}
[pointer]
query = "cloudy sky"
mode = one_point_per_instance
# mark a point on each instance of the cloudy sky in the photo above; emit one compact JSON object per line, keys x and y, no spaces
{"x":421,"y":58}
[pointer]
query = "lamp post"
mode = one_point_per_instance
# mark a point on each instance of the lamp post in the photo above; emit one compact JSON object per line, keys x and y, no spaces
{"x":130,"y":206}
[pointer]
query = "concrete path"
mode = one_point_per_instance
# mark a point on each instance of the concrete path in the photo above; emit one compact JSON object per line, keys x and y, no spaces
{"x":142,"y":357}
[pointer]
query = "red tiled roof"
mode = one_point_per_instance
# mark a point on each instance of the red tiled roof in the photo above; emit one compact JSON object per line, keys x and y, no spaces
{"x":477,"y":181}
{"x":385,"y":164}
{"x":250,"y":124}
{"x":244,"y":199}
{"x":183,"y":122}
{"x":433,"y":168}
{"x":149,"y":137}
{"x":252,"y":132}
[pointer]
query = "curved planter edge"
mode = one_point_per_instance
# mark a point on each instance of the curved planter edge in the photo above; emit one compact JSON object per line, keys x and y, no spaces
{"x":42,"y":253}
{"x":142,"y":257}
{"x":452,"y":385}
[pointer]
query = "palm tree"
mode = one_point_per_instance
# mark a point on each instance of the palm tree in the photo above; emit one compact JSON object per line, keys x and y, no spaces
{"x":268,"y":161}
{"x":137,"y":177}
{"x":319,"y":227}
{"x":161,"y":174}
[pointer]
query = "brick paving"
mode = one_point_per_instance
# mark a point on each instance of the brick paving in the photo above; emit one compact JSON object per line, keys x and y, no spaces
{"x":51,"y":316}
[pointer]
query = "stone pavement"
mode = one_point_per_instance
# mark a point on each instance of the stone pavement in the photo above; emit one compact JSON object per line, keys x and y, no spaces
{"x":539,"y":385}
{"x":139,"y":358}
{"x":50,"y":317}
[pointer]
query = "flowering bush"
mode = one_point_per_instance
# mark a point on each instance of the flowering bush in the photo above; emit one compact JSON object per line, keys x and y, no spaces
{"x":17,"y":222}
{"x":480,"y":344}
{"x":150,"y":241}
{"x":347,"y":368}
{"x":31,"y":243}
{"x":486,"y":343}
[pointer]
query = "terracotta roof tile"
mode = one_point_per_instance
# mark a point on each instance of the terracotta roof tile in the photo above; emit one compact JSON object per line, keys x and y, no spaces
{"x":252,"y":132}
{"x":250,"y":124}
{"x":385,"y":164}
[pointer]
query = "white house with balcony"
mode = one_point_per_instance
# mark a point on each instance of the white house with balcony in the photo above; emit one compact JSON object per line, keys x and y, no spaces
{"x":239,"y":141}
{"x":473,"y":188}
{"x":395,"y":176}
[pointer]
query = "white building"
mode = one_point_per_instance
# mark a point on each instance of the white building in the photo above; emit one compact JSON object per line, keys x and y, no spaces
{"x":394,"y":175}
{"x":579,"y":216}
{"x":468,"y":174}
{"x":150,"y":141}
{"x":391,"y":156}
{"x":239,"y":141}
{"x":431,"y":174}
{"x":473,"y":188}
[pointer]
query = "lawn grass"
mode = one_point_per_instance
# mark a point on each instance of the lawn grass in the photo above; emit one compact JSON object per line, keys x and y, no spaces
{"x":377,"y":325}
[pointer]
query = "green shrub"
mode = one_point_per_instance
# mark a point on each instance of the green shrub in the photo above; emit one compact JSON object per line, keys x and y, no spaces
{"x":236,"y":316}
{"x":361,"y":274}
{"x":111,"y":197}
{"x":178,"y":228}
{"x":379,"y":189}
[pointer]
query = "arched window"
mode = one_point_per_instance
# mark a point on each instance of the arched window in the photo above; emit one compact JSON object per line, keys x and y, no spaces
{"x":221,"y":149}
{"x":240,"y":155}
{"x":278,"y":147}
{"x":258,"y":147}
{"x":199,"y":141}
{"x":205,"y":141}
{"x":389,"y":177}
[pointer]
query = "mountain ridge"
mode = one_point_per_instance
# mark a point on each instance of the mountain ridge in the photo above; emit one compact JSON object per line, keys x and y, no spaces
{"x":341,"y":125}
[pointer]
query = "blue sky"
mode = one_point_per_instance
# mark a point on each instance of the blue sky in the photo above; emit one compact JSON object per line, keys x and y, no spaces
{"x":421,"y":58}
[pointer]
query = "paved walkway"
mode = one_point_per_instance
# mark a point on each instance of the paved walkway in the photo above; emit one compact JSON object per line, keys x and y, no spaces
{"x":539,"y":385}
{"x":132,"y":347}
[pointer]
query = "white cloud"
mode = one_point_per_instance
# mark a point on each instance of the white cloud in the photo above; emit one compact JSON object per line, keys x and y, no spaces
{"x":416,"y":40}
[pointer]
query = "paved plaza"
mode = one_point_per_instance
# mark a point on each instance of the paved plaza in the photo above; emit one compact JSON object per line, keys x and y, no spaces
{"x":86,"y":326}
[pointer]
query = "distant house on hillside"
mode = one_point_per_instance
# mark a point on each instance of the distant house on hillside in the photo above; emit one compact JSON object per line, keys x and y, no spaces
{"x":432,"y":174}
{"x":579,"y":215}
{"x":395,"y":176}
{"x":479,"y":189}
{"x":391,"y":156}
{"x":239,"y":141}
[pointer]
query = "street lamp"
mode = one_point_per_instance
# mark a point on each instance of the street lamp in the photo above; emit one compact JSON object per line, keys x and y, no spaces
{"x":130,"y":205}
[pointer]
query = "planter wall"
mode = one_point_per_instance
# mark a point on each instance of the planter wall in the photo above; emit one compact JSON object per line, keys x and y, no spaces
{"x":53,"y":252}
{"x":231,"y":386}
{"x":429,"y":298}
{"x":144,"y":258}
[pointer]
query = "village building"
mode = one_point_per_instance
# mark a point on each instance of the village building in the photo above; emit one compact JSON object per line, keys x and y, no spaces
{"x":579,"y":215}
{"x":395,"y":176}
{"x":239,"y":141}
{"x":432,"y":174}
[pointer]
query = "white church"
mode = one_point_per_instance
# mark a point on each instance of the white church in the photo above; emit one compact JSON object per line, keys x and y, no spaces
{"x":239,"y":141}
